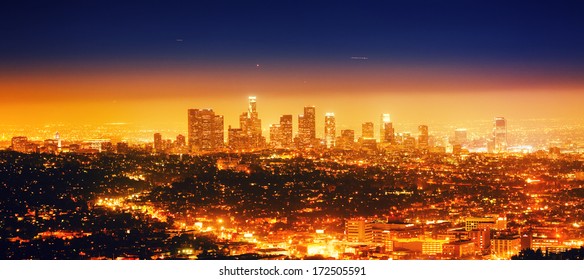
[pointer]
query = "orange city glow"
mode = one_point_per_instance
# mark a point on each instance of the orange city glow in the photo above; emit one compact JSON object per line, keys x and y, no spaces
{"x":158,"y":99}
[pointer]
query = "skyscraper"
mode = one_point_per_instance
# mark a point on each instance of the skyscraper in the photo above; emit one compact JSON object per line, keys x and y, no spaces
{"x":423,"y":136}
{"x":251,"y":125}
{"x":387,"y":132}
{"x":281,"y":134}
{"x":255,"y":123}
{"x":347,"y":139}
{"x":500,"y":134}
{"x":244,"y":124}
{"x":157,"y":142}
{"x":205,"y":130}
{"x":286,"y":130}
{"x":307,"y":127}
{"x":58,"y":138}
{"x":329,"y":130}
{"x":367,"y":130}
{"x":237,"y":139}
{"x":180,"y":145}
{"x":219,"y":132}
{"x":275,"y":136}
{"x":180,"y":141}
{"x":252,"y":107}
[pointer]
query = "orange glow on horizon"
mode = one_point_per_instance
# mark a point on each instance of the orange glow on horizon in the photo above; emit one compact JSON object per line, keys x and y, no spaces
{"x":160,"y":98}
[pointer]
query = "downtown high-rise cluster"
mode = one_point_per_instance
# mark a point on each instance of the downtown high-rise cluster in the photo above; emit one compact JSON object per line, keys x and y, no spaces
{"x":206,"y":133}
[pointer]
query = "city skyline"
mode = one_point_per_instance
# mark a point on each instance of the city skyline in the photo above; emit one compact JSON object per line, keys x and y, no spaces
{"x":351,"y":116}
{"x":526,"y":135}
{"x":207,"y":133}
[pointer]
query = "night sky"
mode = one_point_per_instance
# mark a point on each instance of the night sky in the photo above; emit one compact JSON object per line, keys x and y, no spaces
{"x":100,"y":61}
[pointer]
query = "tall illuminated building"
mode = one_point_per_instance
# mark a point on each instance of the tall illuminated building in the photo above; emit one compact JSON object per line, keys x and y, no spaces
{"x":407,"y":140}
{"x":205,"y":130}
{"x":254,"y":120}
{"x":423,"y":136}
{"x":286,"y":130}
{"x":158,"y":142}
{"x":179,"y":146}
{"x":387,"y":133}
{"x":281,"y":134}
{"x":251,"y":125}
{"x":244,"y":124}
{"x":237,"y":139}
{"x":329,"y":130}
{"x":307,"y":127}
{"x":347,"y":139}
{"x":367,"y":130}
{"x":252,"y":106}
{"x":180,"y":141}
{"x":218,"y":132}
{"x":275,"y":136}
{"x":58,"y":138}
{"x":500,"y":134}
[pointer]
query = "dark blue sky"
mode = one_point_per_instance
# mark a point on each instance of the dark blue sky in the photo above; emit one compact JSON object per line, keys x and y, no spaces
{"x":531,"y":33}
